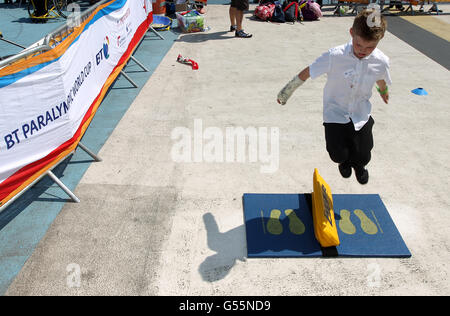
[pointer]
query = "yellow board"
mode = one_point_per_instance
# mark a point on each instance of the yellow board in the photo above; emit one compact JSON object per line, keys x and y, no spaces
{"x":323,"y":214}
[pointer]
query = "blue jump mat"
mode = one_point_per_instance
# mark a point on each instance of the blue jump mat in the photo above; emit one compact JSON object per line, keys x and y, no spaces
{"x":281,"y":225}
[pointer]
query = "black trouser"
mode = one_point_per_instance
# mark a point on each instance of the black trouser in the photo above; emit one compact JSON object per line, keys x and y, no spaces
{"x":345,"y":145}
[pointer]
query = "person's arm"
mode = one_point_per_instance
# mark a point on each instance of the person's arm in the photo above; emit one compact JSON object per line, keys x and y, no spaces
{"x":291,"y":86}
{"x":383,"y":90}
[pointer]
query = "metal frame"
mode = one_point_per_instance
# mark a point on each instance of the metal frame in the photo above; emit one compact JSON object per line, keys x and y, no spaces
{"x":54,"y":178}
{"x":49,"y":173}
{"x":384,"y":3}
{"x":10,"y":42}
{"x":24,"y":54}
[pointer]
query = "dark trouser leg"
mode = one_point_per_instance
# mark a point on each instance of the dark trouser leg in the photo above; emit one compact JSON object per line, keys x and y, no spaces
{"x":362,"y":144}
{"x":337,"y":138}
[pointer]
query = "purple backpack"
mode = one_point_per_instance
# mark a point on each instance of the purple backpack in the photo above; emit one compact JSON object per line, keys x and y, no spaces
{"x":311,"y":11}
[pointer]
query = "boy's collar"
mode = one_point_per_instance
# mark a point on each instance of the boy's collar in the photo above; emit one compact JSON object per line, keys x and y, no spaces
{"x":349,"y":51}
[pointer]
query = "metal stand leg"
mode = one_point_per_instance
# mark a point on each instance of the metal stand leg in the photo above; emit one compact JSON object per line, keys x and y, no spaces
{"x":9,"y":42}
{"x":129,"y":79}
{"x":62,"y":186}
{"x":90,"y":153}
{"x":139,"y":63}
{"x":154,"y":31}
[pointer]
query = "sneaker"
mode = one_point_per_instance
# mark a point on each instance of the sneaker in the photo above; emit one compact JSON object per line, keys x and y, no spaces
{"x":242,"y":34}
{"x":233,"y":28}
{"x":434,"y":9}
{"x":345,"y":169}
{"x":362,"y":175}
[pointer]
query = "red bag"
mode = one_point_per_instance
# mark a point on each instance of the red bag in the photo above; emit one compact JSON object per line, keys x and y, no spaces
{"x":264,"y":12}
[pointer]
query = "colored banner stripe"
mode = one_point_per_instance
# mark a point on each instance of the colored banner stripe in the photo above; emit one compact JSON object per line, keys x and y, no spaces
{"x":42,"y":60}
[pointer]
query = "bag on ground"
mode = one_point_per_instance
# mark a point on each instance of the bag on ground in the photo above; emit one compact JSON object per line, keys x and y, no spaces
{"x":311,"y":11}
{"x":265,"y":11}
{"x":278,"y":14}
{"x":291,"y":11}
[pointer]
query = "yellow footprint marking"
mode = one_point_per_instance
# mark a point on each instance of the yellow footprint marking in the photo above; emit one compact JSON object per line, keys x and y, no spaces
{"x":367,"y":225}
{"x":273,"y":225}
{"x":295,"y":224}
{"x":345,"y":224}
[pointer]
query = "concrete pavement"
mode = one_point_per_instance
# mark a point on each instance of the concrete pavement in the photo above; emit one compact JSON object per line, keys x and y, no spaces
{"x":148,"y":225}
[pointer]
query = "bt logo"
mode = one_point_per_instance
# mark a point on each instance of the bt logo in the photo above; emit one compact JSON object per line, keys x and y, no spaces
{"x":104,"y":52}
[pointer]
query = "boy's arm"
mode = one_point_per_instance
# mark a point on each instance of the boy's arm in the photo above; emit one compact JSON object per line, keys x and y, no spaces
{"x":383,"y":90}
{"x":291,"y":86}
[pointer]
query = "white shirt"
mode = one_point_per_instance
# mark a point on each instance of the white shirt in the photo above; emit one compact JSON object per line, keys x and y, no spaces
{"x":349,"y":84}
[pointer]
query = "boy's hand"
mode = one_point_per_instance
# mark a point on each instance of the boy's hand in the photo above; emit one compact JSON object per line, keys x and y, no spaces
{"x":385,"y":97}
{"x":288,"y":90}
{"x":383,"y":90}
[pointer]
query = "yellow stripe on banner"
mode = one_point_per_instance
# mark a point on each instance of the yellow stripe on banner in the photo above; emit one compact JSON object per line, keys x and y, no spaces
{"x":432,"y":24}
{"x":53,"y":54}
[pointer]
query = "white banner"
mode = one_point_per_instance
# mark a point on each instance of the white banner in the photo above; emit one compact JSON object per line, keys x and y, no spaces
{"x":45,"y":102}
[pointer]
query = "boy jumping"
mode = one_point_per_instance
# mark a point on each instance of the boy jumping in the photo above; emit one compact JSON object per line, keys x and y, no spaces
{"x":352,"y":70}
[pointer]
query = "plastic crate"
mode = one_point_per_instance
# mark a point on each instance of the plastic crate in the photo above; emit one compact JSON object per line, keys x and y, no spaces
{"x":191,"y":21}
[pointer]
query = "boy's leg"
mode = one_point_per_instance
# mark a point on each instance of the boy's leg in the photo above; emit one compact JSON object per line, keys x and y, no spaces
{"x":360,"y":153}
{"x":338,"y":146}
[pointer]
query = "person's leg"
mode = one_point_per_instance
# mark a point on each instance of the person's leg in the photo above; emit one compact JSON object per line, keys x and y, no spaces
{"x":338,"y":146}
{"x":41,"y":7}
{"x":360,"y":153}
{"x":239,"y":19}
{"x":241,"y":6}
{"x":232,"y":17}
{"x":434,"y":8}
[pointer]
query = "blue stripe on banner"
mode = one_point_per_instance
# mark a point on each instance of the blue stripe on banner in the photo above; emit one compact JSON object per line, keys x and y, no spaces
{"x":10,"y":79}
{"x":118,"y":4}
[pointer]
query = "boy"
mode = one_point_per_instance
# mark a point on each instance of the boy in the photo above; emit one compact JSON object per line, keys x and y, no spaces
{"x":352,"y":71}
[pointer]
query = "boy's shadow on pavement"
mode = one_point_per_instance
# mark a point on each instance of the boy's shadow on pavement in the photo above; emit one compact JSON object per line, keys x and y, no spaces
{"x":230,"y":246}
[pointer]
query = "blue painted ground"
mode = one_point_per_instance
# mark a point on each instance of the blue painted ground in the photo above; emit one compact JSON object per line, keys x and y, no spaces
{"x":24,"y":223}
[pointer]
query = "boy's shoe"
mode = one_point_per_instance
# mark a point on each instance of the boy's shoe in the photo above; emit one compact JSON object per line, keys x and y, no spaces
{"x":362,"y":175}
{"x":233,"y":28}
{"x":242,"y":34}
{"x":345,"y":169}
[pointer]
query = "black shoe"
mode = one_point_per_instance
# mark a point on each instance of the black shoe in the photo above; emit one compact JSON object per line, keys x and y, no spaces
{"x":233,"y":28}
{"x":362,"y":175}
{"x":242,"y":34}
{"x":345,"y":170}
{"x":434,"y":9}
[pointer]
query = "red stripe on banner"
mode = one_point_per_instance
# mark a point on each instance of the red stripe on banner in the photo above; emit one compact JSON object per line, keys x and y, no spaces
{"x":26,"y":175}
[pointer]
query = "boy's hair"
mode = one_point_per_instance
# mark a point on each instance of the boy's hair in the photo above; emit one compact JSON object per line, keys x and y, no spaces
{"x":362,"y":28}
